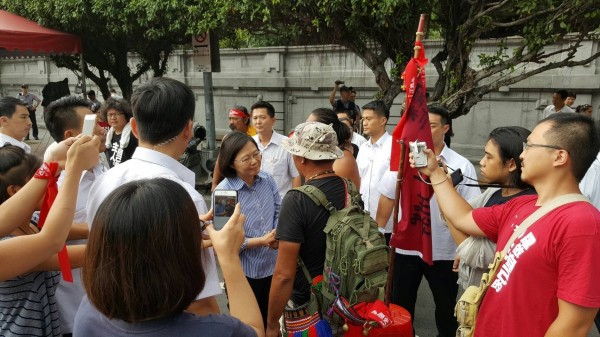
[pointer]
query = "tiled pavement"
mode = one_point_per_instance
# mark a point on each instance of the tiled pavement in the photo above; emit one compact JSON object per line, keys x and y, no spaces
{"x":39,"y":146}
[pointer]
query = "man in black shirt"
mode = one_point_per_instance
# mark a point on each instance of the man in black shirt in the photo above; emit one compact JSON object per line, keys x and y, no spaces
{"x":301,"y":222}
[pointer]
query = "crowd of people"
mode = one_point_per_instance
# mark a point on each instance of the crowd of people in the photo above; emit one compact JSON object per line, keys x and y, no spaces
{"x":144,"y":253}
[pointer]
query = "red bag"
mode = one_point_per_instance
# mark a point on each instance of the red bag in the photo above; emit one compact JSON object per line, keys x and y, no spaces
{"x":374,"y":319}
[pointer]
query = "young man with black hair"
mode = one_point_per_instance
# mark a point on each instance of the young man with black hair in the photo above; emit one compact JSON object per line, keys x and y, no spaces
{"x":64,"y":119}
{"x":275,"y":159}
{"x":549,"y":281}
{"x":409,"y":268}
{"x":163,"y":113}
{"x":14,"y":122}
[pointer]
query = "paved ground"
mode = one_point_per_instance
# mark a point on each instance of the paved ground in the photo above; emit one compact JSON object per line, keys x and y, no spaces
{"x":424,"y":321}
{"x":39,"y":146}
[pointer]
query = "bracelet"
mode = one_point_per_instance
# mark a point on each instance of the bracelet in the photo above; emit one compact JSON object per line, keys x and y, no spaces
{"x":431,"y":184}
{"x":47,"y":171}
{"x":244,"y":244}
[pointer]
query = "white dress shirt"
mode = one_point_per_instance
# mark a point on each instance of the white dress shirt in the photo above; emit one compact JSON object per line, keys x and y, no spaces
{"x":373,"y":162}
{"x":357,"y":139}
{"x":443,"y":245}
{"x":277,"y":162}
{"x":551,"y":109}
{"x":69,"y":295}
{"x":4,"y":139}
{"x":149,"y":164}
{"x":590,"y":184}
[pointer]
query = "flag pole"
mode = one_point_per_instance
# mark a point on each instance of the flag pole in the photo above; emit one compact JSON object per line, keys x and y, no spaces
{"x":388,"y":289}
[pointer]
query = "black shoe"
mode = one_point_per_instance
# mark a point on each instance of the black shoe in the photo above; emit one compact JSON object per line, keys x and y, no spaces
{"x":26,"y":138}
{"x":36,"y":138}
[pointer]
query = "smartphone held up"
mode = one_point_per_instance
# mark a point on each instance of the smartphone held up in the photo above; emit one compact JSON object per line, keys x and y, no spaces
{"x":223,"y":202}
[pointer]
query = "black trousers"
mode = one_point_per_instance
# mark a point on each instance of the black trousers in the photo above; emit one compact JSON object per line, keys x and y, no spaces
{"x":408,"y":272}
{"x":261,"y":288}
{"x":33,"y":124}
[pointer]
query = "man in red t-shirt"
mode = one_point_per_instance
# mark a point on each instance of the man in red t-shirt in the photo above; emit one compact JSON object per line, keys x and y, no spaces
{"x":549,"y":282}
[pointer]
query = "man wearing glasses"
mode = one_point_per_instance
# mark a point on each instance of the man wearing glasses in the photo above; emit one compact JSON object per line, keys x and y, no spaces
{"x":549,"y":281}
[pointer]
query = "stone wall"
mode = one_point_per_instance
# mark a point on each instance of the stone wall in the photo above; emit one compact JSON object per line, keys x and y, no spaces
{"x":299,"y":79}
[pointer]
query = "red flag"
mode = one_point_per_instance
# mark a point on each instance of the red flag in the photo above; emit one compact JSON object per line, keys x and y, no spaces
{"x":47,"y":171}
{"x":413,"y":232}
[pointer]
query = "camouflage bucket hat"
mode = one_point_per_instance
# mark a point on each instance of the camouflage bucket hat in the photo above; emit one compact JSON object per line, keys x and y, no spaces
{"x":314,"y":141}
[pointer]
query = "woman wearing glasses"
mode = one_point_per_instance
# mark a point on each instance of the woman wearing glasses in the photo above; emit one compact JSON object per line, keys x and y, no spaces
{"x":120,"y":141}
{"x":239,"y":161}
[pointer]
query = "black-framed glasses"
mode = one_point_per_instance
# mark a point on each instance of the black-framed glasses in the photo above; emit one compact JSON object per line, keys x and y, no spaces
{"x":528,"y":145}
{"x":113,"y":115}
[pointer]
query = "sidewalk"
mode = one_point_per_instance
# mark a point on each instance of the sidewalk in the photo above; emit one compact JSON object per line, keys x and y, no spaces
{"x":39,"y":146}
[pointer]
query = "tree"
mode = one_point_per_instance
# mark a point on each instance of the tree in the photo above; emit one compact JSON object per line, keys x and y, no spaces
{"x":112,"y":29}
{"x":383,"y":31}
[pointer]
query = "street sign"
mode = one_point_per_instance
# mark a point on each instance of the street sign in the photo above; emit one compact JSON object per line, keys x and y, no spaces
{"x":206,"y":52}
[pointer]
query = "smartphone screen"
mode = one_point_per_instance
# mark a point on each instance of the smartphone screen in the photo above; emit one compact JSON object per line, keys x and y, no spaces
{"x":223,"y":205}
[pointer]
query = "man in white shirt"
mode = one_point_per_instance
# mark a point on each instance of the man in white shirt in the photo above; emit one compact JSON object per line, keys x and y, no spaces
{"x":409,"y":268}
{"x":64,"y":118}
{"x":163,"y":112}
{"x":373,"y":158}
{"x":14,"y":122}
{"x":558,"y":103}
{"x":275,"y":159}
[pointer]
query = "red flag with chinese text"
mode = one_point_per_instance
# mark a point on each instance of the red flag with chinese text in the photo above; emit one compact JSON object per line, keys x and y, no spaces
{"x":413,"y":232}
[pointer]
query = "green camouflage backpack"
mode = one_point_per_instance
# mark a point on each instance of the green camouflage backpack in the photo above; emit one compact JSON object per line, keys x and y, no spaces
{"x":357,"y":257}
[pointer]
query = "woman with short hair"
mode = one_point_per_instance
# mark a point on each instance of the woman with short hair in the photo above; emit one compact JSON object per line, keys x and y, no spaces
{"x":120,"y":141}
{"x":143,"y":267}
{"x":240,"y":163}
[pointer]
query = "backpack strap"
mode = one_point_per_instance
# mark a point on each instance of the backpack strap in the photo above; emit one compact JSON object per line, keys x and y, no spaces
{"x":316,"y":196}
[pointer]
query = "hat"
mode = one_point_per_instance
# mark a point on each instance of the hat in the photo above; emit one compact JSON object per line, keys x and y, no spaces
{"x":239,"y":112}
{"x":314,"y":141}
{"x":24,"y":86}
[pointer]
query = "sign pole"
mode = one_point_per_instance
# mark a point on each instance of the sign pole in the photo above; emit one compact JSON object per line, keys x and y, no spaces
{"x":209,"y":110}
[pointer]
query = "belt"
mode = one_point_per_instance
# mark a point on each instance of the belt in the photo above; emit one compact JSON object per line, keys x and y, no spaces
{"x":299,"y":311}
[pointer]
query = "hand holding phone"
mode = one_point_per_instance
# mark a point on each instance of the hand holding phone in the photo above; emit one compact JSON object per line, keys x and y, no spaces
{"x":223,"y":205}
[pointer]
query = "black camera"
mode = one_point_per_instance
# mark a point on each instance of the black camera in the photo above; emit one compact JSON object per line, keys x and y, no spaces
{"x":338,"y":82}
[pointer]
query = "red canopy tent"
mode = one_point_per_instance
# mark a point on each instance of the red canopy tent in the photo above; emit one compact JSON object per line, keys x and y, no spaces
{"x":22,"y":37}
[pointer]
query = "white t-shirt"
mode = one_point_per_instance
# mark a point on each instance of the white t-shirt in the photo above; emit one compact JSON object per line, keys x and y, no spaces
{"x":148,"y":164}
